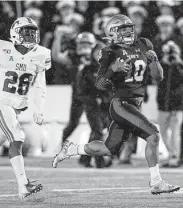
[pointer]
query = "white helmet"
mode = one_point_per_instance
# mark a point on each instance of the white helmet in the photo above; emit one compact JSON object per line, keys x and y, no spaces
{"x":120,"y":29}
{"x":24,"y":31}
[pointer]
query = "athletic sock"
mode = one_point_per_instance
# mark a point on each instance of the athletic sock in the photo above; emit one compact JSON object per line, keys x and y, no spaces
{"x":155,"y":175}
{"x":81,"y":149}
{"x":17,"y":163}
{"x":77,"y":149}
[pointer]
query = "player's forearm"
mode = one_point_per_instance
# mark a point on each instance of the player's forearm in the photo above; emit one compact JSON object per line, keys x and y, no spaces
{"x":56,"y":47}
{"x":57,"y":55}
{"x":39,"y":92}
{"x":157,"y":71}
{"x":39,"y":101}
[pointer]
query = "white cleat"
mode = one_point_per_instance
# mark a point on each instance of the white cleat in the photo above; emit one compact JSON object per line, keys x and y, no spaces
{"x":64,"y":153}
{"x":163,"y":187}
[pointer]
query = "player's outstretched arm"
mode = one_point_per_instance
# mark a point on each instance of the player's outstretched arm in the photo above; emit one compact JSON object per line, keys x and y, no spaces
{"x":57,"y":55}
{"x":154,"y":65}
{"x":39,"y":97}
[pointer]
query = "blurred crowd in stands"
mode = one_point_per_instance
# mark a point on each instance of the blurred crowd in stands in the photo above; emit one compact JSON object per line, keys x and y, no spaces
{"x":88,"y":16}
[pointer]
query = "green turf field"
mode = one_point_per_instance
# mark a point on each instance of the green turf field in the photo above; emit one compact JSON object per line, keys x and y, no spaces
{"x":71,"y":186}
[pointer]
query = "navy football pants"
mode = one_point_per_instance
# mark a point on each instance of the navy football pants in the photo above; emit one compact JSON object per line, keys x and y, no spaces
{"x":127,"y":120}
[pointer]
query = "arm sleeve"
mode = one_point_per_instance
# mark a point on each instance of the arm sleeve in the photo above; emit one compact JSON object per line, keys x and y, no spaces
{"x":105,"y":73}
{"x":48,"y":61}
{"x":43,"y":62}
{"x":39,"y":92}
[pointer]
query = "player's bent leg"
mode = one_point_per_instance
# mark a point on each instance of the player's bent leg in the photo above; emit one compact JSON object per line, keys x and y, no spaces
{"x":142,"y":127}
{"x":157,"y":185}
{"x":12,"y":130}
{"x":69,"y":149}
{"x":152,"y":150}
{"x":95,"y":148}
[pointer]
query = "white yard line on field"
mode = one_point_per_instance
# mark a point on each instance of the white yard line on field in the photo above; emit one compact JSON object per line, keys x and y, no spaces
{"x":85,"y":170}
{"x":8,"y":195}
{"x":122,"y":190}
{"x":97,"y":189}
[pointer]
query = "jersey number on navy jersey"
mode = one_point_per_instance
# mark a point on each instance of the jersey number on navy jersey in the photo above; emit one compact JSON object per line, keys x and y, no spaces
{"x":24,"y":82}
{"x":138,"y":72}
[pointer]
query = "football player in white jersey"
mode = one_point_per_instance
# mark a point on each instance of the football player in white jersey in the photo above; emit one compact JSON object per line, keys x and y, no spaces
{"x":22,"y":65}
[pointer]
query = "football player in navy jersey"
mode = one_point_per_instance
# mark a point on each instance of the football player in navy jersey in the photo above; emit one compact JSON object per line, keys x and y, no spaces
{"x":124,"y":66}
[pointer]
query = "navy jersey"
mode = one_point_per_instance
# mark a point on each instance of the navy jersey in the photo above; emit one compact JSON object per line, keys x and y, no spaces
{"x":133,"y":83}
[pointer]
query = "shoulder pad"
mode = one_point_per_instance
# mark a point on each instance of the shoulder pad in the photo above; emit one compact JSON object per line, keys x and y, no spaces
{"x":5,"y":43}
{"x":147,"y":43}
{"x":42,"y":49}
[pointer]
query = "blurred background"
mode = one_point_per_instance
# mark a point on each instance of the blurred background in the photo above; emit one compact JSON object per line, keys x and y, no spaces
{"x":159,"y":21}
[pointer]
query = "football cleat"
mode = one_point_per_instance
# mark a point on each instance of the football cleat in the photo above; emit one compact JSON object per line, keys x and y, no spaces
{"x":64,"y":153}
{"x":163,"y":187}
{"x":29,"y":189}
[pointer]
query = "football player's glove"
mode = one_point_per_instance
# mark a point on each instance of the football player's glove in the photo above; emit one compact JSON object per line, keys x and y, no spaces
{"x":24,"y":31}
{"x":122,"y":66}
{"x":120,"y":29}
{"x":151,"y":56}
{"x":38,"y":118}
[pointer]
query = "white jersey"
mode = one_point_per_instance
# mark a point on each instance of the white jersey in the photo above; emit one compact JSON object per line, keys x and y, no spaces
{"x":18,"y":73}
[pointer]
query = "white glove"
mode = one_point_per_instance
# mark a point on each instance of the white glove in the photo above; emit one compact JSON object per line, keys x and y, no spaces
{"x":38,"y":118}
